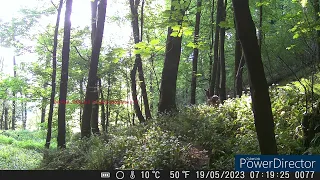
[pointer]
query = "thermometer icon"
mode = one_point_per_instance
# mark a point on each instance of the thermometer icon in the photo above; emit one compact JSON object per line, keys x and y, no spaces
{"x":132,"y":176}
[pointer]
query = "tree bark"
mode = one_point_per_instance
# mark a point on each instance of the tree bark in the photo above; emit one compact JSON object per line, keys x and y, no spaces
{"x":108,"y":106}
{"x":134,"y":94}
{"x":92,"y":78}
{"x":64,"y":77}
{"x":5,"y":116}
{"x":259,"y":89}
{"x":94,"y":6}
{"x":167,"y":101}
{"x":195,"y":54}
{"x":212,"y":42}
{"x":95,"y":111}
{"x":24,"y":123}
{"x":1,"y":117}
{"x":260,"y":26}
{"x":215,"y":67}
{"x":43,"y":111}
{"x":317,"y":11}
{"x":222,"y":88}
{"x":81,"y":100}
{"x":95,"y":107}
{"x":13,"y":118}
{"x":138,"y":61}
{"x":103,"y":113}
{"x":239,"y":63}
{"x":53,"y":75}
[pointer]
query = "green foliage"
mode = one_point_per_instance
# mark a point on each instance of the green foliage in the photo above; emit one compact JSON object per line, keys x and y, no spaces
{"x":20,"y":150}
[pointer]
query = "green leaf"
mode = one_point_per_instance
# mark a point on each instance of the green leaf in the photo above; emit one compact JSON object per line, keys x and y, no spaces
{"x":191,"y":44}
{"x":188,"y":32}
{"x":176,"y":28}
{"x":140,"y":45}
{"x":296,"y":36}
{"x":174,"y":34}
{"x":154,"y":42}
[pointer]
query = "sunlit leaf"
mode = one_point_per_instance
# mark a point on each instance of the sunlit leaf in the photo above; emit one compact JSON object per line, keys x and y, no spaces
{"x":154,"y":42}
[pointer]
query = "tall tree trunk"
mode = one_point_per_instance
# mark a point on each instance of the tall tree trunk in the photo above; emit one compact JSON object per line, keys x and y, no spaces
{"x":22,"y":111}
{"x":108,"y":101}
{"x":92,"y":78}
{"x":212,"y":41}
{"x":6,"y":116}
{"x":239,"y":63}
{"x":64,"y":78}
{"x":134,"y":94}
{"x":95,"y":111}
{"x":53,"y":75}
{"x":215,"y":67}
{"x":222,"y":88}
{"x":135,"y":66}
{"x":259,"y":89}
{"x":1,"y":117}
{"x":103,"y":113}
{"x":95,"y":107}
{"x":167,"y":101}
{"x":24,"y":123}
{"x":195,"y":54}
{"x":317,"y":11}
{"x":81,"y":100}
{"x":260,"y":26}
{"x":94,"y":6}
{"x":43,"y":111}
{"x":138,"y":61}
{"x":13,"y":118}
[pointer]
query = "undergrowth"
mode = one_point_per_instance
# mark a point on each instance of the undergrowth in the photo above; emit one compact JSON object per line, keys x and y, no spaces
{"x":197,"y":137}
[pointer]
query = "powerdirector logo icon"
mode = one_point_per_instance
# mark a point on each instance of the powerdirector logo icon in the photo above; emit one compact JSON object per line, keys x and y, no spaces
{"x":277,"y":163}
{"x":105,"y":174}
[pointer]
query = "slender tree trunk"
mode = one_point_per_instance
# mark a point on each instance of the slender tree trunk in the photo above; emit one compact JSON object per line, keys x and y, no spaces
{"x":317,"y":11}
{"x":239,"y":63}
{"x":53,"y":75}
{"x":167,"y":101}
{"x":1,"y":117}
{"x":13,"y":118}
{"x":24,"y":123}
{"x":134,"y":94}
{"x":81,"y":99}
{"x":222,"y":88}
{"x":260,"y":26}
{"x":103,"y":113}
{"x":43,"y":111}
{"x":195,"y":54}
{"x":92,"y":78}
{"x":22,"y":111}
{"x":135,"y":27}
{"x":215,"y":67}
{"x":64,"y":77}
{"x":259,"y":89}
{"x":108,"y":101}
{"x":212,"y":42}
{"x":6,"y":116}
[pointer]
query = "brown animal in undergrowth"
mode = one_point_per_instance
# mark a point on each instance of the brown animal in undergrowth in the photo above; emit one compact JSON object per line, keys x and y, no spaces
{"x":212,"y":100}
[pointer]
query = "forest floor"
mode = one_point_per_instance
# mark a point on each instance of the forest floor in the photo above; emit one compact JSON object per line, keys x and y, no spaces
{"x":198,"y":137}
{"x":20,"y":150}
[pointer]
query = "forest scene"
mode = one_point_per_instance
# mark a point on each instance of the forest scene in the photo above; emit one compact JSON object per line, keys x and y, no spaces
{"x":157,"y":84}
